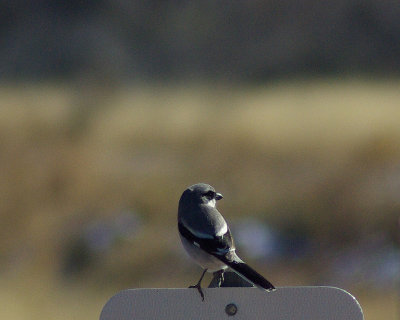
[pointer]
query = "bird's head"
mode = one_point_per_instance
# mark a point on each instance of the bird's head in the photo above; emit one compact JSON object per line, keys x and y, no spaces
{"x":200,"y":193}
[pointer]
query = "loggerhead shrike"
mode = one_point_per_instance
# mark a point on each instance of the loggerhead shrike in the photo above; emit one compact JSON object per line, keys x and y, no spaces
{"x":207,"y":239}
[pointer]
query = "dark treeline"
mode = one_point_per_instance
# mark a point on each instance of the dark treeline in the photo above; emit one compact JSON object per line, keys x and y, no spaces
{"x":164,"y":39}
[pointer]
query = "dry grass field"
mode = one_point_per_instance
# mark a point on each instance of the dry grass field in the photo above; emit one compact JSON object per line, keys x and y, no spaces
{"x":322,"y":153}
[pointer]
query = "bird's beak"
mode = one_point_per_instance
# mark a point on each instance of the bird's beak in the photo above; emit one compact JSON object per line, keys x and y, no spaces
{"x":218,"y":196}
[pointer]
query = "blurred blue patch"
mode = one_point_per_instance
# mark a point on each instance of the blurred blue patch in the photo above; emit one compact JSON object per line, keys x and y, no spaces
{"x":96,"y":239}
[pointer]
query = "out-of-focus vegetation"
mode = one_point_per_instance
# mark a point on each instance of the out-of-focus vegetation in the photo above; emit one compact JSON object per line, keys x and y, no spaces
{"x":240,"y":40}
{"x":91,"y":177}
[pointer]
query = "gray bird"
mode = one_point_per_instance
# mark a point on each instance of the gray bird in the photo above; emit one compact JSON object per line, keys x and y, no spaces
{"x":207,"y":239}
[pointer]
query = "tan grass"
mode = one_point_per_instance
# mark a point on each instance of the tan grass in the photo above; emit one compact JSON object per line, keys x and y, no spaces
{"x":71,"y":154}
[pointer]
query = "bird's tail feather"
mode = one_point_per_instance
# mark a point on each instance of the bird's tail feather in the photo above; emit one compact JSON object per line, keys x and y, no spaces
{"x":249,"y":274}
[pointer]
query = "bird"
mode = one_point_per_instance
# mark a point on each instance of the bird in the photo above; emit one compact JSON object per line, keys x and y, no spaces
{"x":207,"y":239}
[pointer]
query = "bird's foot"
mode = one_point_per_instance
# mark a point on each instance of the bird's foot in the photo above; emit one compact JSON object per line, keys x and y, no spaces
{"x":198,"y":287}
{"x":220,"y":276}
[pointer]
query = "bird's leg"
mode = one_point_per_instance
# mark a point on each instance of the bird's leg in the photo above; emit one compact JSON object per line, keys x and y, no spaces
{"x":220,"y":275}
{"x":198,"y":286}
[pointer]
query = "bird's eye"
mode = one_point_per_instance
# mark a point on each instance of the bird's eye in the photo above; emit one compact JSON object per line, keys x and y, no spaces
{"x":210,"y":194}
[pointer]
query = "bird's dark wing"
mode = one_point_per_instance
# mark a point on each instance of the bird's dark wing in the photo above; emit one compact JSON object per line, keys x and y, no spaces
{"x":212,"y":244}
{"x":223,"y":248}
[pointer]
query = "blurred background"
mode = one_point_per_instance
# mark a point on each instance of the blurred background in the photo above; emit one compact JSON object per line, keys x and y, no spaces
{"x":110,"y":109}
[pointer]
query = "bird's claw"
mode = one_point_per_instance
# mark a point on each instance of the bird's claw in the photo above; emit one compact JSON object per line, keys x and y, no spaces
{"x":198,"y":287}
